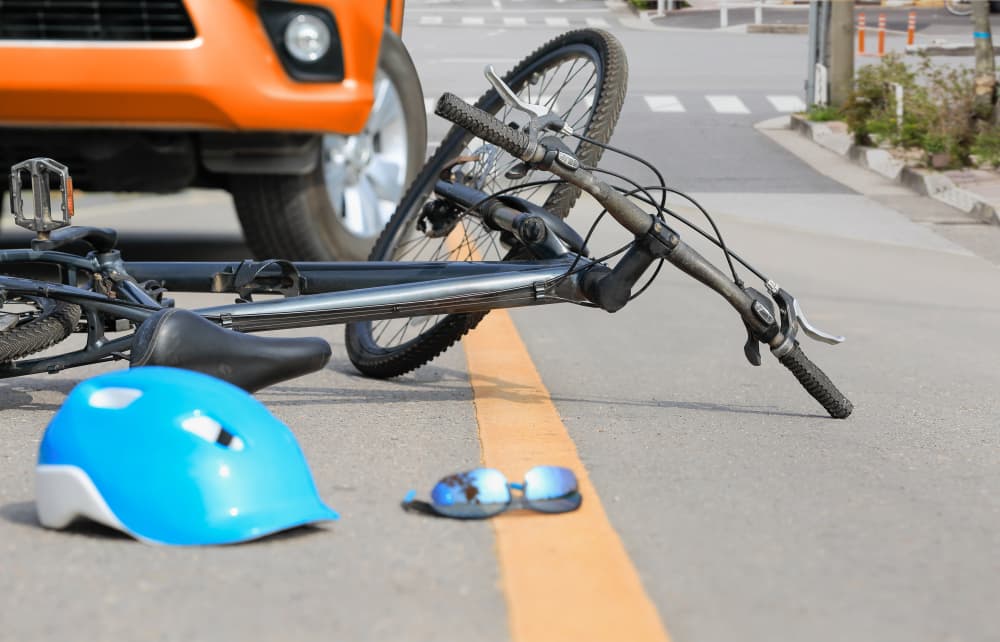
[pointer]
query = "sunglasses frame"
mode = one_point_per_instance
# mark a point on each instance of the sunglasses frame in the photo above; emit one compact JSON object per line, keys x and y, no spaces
{"x":567,"y":502}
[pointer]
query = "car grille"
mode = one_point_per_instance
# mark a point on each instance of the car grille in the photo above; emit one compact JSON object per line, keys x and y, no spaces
{"x":133,"y":20}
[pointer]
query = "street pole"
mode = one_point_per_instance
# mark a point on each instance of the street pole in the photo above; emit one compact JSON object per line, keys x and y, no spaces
{"x":813,"y":52}
{"x":842,"y":51}
{"x":982,"y":38}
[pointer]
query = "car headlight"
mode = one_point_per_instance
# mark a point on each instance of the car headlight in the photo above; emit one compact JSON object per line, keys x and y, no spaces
{"x":307,"y":38}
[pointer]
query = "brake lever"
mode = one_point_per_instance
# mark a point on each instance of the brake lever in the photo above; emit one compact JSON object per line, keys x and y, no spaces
{"x":811,"y":330}
{"x":792,"y":311}
{"x":541,"y":116}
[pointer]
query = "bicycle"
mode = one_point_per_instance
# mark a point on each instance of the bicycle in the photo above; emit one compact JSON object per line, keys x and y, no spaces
{"x":540,"y":259}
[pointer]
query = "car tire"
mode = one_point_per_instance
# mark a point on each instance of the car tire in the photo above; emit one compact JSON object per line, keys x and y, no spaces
{"x":313,"y":217}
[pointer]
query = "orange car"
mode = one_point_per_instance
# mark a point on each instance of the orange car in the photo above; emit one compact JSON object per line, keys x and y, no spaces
{"x":310,"y":113}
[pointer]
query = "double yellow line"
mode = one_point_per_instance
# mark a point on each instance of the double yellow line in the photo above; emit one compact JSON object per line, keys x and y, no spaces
{"x":565,"y":577}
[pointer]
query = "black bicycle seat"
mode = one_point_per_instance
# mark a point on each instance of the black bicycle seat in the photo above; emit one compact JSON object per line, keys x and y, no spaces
{"x":102,"y":239}
{"x":182,"y":339}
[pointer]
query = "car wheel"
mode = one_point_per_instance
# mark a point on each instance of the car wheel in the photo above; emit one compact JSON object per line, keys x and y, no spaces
{"x":338,"y":210}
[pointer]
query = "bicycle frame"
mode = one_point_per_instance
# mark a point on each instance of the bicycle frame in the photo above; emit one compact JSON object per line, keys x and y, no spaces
{"x":318,"y":293}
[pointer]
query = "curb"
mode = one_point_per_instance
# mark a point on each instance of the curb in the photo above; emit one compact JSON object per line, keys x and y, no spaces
{"x":777,"y":28}
{"x":946,"y":49}
{"x":924,"y":182}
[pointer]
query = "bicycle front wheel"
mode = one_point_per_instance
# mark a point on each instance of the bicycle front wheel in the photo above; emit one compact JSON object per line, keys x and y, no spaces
{"x":582,"y":76}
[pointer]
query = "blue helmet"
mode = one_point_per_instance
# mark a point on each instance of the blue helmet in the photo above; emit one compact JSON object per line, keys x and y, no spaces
{"x":173,"y":457}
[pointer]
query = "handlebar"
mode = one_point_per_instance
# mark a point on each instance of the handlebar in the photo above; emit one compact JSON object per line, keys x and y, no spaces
{"x":610,"y":288}
{"x":485,"y":126}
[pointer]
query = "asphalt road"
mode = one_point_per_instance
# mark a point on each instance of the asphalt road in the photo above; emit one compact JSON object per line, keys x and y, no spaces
{"x":742,"y":511}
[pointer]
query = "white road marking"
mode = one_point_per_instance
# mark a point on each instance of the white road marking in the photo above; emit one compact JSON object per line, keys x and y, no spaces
{"x":597,"y":22}
{"x":514,"y":21}
{"x":664,"y":103}
{"x":727,"y":104}
{"x":557,"y":22}
{"x":431,"y":20}
{"x":473,"y":20}
{"x":787,"y":104}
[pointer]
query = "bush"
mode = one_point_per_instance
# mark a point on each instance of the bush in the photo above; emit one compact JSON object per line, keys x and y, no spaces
{"x":938,"y":110}
{"x":986,"y":145}
{"x":823,"y":113}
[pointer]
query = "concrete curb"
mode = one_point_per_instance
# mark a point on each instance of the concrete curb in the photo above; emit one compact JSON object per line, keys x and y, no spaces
{"x":777,"y":28}
{"x":926,"y":182}
{"x":946,"y":49}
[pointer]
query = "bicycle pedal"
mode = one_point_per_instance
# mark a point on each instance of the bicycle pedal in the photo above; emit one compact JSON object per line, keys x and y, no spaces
{"x":42,"y":222}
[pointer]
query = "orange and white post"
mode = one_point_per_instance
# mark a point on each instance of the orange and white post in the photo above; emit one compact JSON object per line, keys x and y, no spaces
{"x":861,"y":34}
{"x":881,"y":34}
{"x":911,"y":28}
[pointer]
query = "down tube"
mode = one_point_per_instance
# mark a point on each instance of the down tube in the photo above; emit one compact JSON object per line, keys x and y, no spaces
{"x":446,"y":296}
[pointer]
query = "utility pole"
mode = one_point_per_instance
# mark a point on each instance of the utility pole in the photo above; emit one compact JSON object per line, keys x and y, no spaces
{"x":982,"y":38}
{"x":842,"y":51}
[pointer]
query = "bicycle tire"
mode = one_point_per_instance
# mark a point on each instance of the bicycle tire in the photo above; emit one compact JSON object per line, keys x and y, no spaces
{"x":611,"y":70}
{"x":55,"y":321}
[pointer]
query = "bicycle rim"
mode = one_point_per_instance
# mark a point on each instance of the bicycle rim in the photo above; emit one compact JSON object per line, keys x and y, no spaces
{"x":582,"y":76}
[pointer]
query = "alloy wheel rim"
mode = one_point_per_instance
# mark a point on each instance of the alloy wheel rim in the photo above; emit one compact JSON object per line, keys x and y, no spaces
{"x":365,"y":174}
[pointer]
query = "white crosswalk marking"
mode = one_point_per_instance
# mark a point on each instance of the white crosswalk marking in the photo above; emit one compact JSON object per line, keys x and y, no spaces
{"x":727,"y":104}
{"x":557,"y":22}
{"x":473,"y":20}
{"x":664,"y":103}
{"x":597,"y":22}
{"x":787,"y":103}
{"x":431,"y":20}
{"x":514,"y":21}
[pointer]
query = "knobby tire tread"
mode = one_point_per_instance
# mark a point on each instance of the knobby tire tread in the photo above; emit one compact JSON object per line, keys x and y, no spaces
{"x":54,"y":325}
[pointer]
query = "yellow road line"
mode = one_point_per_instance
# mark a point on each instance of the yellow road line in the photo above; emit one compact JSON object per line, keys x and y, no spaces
{"x":566,"y":577}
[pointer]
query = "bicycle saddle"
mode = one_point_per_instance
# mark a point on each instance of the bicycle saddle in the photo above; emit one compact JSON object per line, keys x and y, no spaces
{"x":182,"y":339}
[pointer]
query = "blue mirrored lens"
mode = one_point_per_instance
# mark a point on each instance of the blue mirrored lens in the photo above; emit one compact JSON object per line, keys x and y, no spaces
{"x":551,"y":489}
{"x":478,"y":493}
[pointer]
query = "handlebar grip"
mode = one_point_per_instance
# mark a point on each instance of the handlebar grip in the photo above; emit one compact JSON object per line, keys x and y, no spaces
{"x":483,"y":125}
{"x":817,"y":383}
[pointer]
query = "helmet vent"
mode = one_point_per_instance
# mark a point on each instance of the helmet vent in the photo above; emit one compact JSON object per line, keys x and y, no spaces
{"x":114,"y":398}
{"x":212,"y":431}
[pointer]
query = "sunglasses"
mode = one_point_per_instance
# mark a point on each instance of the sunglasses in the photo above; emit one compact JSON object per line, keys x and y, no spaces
{"x":485,"y":492}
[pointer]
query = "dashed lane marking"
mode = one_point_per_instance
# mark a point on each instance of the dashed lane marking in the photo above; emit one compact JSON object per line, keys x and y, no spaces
{"x":727,"y":104}
{"x":787,"y":104}
{"x":664,"y":103}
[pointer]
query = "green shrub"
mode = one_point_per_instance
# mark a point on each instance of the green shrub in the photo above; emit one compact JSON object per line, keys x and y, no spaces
{"x":938,"y":108}
{"x":823,"y":113}
{"x":986,"y":145}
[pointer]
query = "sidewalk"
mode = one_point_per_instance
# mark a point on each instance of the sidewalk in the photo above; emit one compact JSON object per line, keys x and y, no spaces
{"x":974,"y":192}
{"x":957,"y":205}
